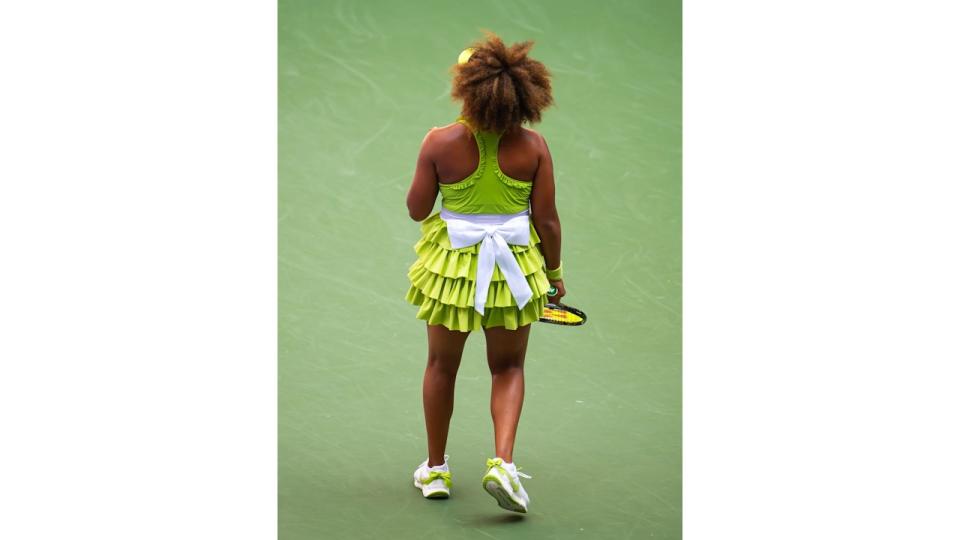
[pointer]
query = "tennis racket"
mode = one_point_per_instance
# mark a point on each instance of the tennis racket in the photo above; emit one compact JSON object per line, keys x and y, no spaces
{"x":562,"y":314}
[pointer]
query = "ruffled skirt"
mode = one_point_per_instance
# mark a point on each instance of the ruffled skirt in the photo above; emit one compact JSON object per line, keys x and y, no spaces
{"x":442,"y":283}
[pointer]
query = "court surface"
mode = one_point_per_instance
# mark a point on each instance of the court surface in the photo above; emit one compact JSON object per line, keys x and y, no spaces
{"x":360,"y":83}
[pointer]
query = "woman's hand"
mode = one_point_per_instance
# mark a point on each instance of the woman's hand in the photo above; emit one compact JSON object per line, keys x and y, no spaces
{"x":561,"y":291}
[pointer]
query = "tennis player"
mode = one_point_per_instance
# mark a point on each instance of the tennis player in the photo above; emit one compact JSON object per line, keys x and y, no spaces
{"x":488,"y":258}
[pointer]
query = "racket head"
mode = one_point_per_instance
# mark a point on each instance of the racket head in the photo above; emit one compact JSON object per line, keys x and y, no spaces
{"x":563,"y":315}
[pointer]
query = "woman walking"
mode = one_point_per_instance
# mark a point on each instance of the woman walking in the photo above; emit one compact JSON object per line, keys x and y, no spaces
{"x":487,"y":260}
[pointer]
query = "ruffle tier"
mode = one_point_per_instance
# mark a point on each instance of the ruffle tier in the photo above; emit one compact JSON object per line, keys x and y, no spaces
{"x":443,"y":283}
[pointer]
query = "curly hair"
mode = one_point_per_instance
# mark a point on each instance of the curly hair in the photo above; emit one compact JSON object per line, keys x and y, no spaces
{"x":501,"y":86}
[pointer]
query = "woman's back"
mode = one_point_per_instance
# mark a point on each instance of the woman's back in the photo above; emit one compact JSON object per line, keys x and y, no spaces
{"x":483,"y":172}
{"x":458,"y":157}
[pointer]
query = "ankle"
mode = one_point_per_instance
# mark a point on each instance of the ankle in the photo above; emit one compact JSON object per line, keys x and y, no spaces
{"x":434,"y":464}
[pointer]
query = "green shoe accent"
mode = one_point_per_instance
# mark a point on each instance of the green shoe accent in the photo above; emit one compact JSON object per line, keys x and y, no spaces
{"x":437,"y":475}
{"x":498,"y":464}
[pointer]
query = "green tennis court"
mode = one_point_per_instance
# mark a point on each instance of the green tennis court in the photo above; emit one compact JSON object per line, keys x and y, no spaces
{"x":360,"y":83}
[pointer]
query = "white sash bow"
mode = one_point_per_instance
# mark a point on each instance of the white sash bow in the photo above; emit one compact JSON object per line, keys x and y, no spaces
{"x":494,"y":232}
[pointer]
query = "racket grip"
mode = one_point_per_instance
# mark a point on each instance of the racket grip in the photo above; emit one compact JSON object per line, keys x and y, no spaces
{"x":552,"y":291}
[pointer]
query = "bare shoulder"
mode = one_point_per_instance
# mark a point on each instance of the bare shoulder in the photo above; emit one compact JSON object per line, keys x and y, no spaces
{"x":439,"y":138}
{"x":534,"y":139}
{"x":447,"y":133}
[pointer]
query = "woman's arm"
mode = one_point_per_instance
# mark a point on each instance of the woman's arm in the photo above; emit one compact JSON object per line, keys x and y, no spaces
{"x":543,"y":210}
{"x":424,"y":188}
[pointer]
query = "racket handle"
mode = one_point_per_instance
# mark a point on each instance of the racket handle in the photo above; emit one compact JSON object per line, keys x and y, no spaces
{"x":552,"y":291}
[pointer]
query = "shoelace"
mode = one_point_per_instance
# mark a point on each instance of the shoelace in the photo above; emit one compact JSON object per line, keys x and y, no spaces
{"x":438,"y":475}
{"x":498,"y":463}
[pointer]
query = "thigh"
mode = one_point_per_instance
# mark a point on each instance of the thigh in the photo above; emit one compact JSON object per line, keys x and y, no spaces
{"x":444,"y":345}
{"x":506,"y":348}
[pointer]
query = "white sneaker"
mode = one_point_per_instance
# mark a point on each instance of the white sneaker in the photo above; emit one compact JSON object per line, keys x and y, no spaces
{"x":502,"y":481}
{"x":434,"y":482}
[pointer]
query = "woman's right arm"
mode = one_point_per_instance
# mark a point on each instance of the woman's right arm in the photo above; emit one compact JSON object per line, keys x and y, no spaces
{"x":543,"y":210}
{"x":424,"y":188}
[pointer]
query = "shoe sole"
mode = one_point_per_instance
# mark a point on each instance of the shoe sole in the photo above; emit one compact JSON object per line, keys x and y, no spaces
{"x":439,"y":494}
{"x":499,"y":492}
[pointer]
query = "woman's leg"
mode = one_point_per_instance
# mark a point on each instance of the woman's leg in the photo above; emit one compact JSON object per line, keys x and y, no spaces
{"x":506,"y":350}
{"x":444,"y":350}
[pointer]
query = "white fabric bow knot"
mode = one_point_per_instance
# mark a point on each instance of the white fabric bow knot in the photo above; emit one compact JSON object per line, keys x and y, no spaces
{"x":494,"y":233}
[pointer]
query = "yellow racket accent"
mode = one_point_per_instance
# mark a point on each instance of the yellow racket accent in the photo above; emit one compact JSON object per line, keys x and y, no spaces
{"x":561,"y":313}
{"x":561,"y":316}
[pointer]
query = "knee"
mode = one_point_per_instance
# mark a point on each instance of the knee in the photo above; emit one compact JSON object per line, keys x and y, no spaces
{"x":506,"y":364}
{"x":442,"y":365}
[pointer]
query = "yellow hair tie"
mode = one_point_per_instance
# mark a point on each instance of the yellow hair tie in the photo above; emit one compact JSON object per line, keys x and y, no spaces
{"x":465,"y":56}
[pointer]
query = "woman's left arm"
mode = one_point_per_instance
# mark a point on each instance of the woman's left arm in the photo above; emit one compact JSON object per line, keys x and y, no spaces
{"x":424,"y":188}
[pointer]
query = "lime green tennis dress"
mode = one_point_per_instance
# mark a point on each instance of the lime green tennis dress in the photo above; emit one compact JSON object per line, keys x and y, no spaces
{"x":442,"y":280}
